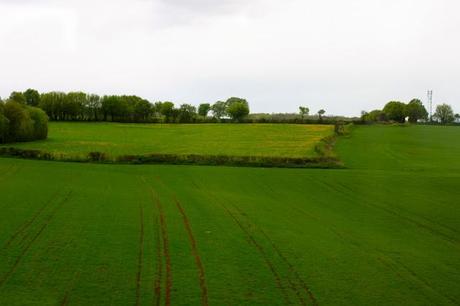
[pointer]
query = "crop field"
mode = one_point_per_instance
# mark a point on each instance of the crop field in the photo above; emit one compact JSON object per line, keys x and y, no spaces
{"x":384,"y":231}
{"x":287,"y":140}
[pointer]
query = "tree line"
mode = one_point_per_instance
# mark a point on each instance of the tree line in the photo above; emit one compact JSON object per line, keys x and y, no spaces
{"x":21,"y":122}
{"x":414,"y":111}
{"x":73,"y":106}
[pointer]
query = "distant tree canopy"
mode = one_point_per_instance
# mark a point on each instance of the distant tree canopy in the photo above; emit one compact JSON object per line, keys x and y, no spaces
{"x":203,"y":109}
{"x":444,"y":113}
{"x":395,"y":111}
{"x":19,"y":122}
{"x":32,"y":97}
{"x":237,"y":108}
{"x":219,"y":109}
{"x":416,"y":111}
{"x":321,"y":112}
{"x":304,"y":111}
{"x":80,"y":106}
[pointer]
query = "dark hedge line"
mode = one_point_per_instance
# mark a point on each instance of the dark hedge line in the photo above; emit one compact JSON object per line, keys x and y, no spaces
{"x":180,"y":159}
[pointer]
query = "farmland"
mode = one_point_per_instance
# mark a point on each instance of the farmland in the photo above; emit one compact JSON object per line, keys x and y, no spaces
{"x":78,"y":139}
{"x":384,"y":231}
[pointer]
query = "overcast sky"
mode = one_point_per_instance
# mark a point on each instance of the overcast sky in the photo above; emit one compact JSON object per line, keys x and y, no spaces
{"x":343,"y":56}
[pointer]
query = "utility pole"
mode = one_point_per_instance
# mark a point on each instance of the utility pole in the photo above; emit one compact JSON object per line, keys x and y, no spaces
{"x":430,"y":104}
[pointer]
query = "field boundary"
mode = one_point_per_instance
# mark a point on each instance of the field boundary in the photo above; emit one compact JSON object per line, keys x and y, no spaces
{"x":326,"y":159}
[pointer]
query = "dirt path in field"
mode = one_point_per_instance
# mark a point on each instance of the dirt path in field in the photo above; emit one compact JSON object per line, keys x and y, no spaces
{"x":196,"y":255}
{"x":23,"y":227}
{"x":140,"y":256}
{"x":4,"y":278}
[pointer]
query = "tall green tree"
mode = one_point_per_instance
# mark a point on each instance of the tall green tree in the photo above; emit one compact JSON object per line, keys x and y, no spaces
{"x":203,"y":109}
{"x":238,"y":110}
{"x":18,"y":97}
{"x":395,"y":111}
{"x":32,"y":97}
{"x":142,"y":110}
{"x":4,"y":124}
{"x":167,"y":110}
{"x":187,"y":113}
{"x":219,"y":109}
{"x":321,"y":112}
{"x":416,"y":111}
{"x":444,"y":113}
{"x":303,"y":110}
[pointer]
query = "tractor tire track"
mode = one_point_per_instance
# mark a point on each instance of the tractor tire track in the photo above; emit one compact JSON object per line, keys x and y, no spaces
{"x":164,"y":246}
{"x":165,"y":238}
{"x":66,"y":299}
{"x":159,"y":272}
{"x":9,"y":172}
{"x":160,"y":250}
{"x":252,"y":241}
{"x":140,"y":256}
{"x":196,"y":255}
{"x":363,"y":202}
{"x":24,"y":251}
{"x":291,"y":267}
{"x":28,"y":223}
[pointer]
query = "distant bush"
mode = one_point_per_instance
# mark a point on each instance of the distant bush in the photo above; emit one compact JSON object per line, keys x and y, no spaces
{"x":97,"y":156}
{"x":19,"y":122}
{"x":21,"y":125}
{"x":40,"y":120}
{"x":4,"y":128}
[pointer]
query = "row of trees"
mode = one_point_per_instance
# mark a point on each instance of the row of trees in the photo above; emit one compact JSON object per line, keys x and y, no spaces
{"x":20,"y":122}
{"x":414,"y":111}
{"x":81,"y":106}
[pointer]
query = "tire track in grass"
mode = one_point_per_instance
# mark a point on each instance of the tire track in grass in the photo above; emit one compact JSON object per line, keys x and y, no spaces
{"x":9,"y":172}
{"x":164,"y":246}
{"x":252,"y":241}
{"x":140,"y":256}
{"x":287,"y":262}
{"x":165,"y":238}
{"x":23,"y":227}
{"x":66,"y":299}
{"x":292,"y":284}
{"x":6,"y":276}
{"x":159,"y":272}
{"x":364,"y":202}
{"x":196,"y":255}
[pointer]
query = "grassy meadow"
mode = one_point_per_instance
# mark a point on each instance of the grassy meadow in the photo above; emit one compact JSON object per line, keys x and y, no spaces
{"x":384,"y":231}
{"x":115,"y":139}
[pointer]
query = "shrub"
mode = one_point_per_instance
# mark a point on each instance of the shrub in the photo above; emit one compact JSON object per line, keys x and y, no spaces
{"x":97,"y":156}
{"x":21,"y":126}
{"x":4,"y":128}
{"x":19,"y":122}
{"x":40,"y":120}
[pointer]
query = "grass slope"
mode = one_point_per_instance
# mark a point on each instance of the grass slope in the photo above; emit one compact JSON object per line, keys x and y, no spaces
{"x":278,"y":140}
{"x":374,"y":234}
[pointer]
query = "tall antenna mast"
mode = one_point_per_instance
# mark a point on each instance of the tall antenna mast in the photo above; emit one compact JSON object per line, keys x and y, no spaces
{"x":430,"y":103}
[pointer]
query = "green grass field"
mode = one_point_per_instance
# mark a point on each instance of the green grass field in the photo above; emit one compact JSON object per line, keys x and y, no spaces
{"x":116,"y":139}
{"x":385,"y":231}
